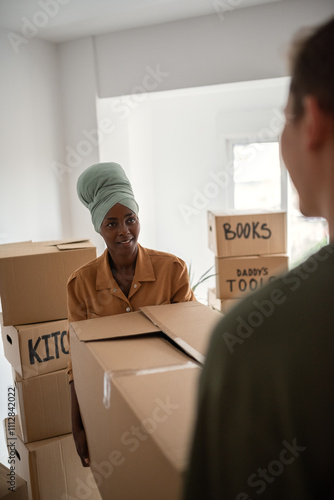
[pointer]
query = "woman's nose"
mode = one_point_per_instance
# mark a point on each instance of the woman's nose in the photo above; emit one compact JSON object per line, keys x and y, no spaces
{"x":123,"y":229}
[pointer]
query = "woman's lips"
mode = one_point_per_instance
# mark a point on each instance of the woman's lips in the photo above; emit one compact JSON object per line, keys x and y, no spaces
{"x":125,"y":242}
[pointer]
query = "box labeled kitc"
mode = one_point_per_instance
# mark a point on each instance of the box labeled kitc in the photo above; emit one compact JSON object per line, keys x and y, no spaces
{"x":238,"y":276}
{"x":33,"y":278}
{"x":36,"y":349}
{"x":234,"y":234}
{"x":136,"y":377}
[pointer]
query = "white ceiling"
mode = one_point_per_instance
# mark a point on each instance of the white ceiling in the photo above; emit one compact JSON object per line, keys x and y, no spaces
{"x":62,"y":20}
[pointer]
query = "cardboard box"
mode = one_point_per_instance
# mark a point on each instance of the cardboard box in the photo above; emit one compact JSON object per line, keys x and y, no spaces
{"x":234,"y":233}
{"x":33,"y":279}
{"x":236,"y":277}
{"x":12,"y":486}
{"x":52,"y":468}
{"x":43,"y":405}
{"x":221,"y":305}
{"x":36,"y":349}
{"x":136,"y":377}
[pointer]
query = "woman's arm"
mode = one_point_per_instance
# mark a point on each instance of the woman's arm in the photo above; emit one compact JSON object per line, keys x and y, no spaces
{"x":78,"y":430}
{"x":76,"y":312}
{"x":182,"y":291}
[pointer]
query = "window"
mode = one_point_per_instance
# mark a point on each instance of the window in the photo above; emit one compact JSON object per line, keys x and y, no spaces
{"x":257,"y":176}
{"x":260,"y":181}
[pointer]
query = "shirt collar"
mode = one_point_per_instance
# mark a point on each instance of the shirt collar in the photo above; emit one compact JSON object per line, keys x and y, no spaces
{"x":143,"y":272}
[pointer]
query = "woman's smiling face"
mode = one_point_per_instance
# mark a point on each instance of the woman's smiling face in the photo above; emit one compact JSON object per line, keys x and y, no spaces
{"x":120,"y":230}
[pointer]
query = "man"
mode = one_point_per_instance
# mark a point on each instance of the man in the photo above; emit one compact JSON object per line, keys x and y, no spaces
{"x":265,"y":423}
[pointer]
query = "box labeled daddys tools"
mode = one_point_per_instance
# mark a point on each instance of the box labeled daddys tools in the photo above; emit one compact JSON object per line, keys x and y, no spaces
{"x":237,"y":276}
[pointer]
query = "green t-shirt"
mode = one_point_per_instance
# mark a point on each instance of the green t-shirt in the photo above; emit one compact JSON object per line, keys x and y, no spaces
{"x":265,"y":423}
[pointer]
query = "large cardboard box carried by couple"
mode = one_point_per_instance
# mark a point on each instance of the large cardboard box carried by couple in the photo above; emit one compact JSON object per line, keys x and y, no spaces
{"x":136,"y":377}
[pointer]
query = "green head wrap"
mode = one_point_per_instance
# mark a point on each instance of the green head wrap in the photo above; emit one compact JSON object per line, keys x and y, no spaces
{"x":103,"y":185}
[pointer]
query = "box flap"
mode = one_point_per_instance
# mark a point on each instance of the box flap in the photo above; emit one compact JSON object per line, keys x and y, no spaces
{"x":67,"y":244}
{"x":75,"y":245}
{"x":38,"y":247}
{"x":113,"y":327}
{"x":189,"y":324}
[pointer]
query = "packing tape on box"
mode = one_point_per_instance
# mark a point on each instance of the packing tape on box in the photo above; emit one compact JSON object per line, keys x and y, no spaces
{"x":107,"y":389}
{"x":190,"y":350}
{"x":108,"y":376}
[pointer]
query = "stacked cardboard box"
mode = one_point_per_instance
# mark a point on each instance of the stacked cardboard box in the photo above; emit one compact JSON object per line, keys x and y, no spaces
{"x":51,"y":467}
{"x":12,"y":486}
{"x":33,"y":279}
{"x":250,"y":249}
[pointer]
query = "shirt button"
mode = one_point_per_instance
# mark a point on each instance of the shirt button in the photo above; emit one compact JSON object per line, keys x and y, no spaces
{"x":135,"y":285}
{"x":128,"y":309}
{"x":115,"y":290}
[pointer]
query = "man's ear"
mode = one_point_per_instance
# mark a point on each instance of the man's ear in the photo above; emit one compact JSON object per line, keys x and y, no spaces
{"x":318,"y":124}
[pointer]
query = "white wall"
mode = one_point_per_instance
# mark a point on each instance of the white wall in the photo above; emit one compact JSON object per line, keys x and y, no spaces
{"x":78,"y":91}
{"x":243,"y":44}
{"x":31,"y":136}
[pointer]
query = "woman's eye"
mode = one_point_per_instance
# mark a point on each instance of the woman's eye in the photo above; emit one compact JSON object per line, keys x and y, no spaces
{"x":132,"y":220}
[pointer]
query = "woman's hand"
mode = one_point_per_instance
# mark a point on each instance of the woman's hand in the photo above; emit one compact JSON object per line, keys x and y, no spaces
{"x":78,"y":430}
{"x":81,"y":445}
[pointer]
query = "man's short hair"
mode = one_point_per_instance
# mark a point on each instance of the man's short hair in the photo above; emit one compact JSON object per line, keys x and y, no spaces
{"x":312,"y":68}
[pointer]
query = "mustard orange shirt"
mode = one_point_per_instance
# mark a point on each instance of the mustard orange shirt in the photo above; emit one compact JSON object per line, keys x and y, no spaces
{"x":160,"y":278}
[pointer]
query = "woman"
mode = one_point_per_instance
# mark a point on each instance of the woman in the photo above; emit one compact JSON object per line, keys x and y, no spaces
{"x":126,"y":276}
